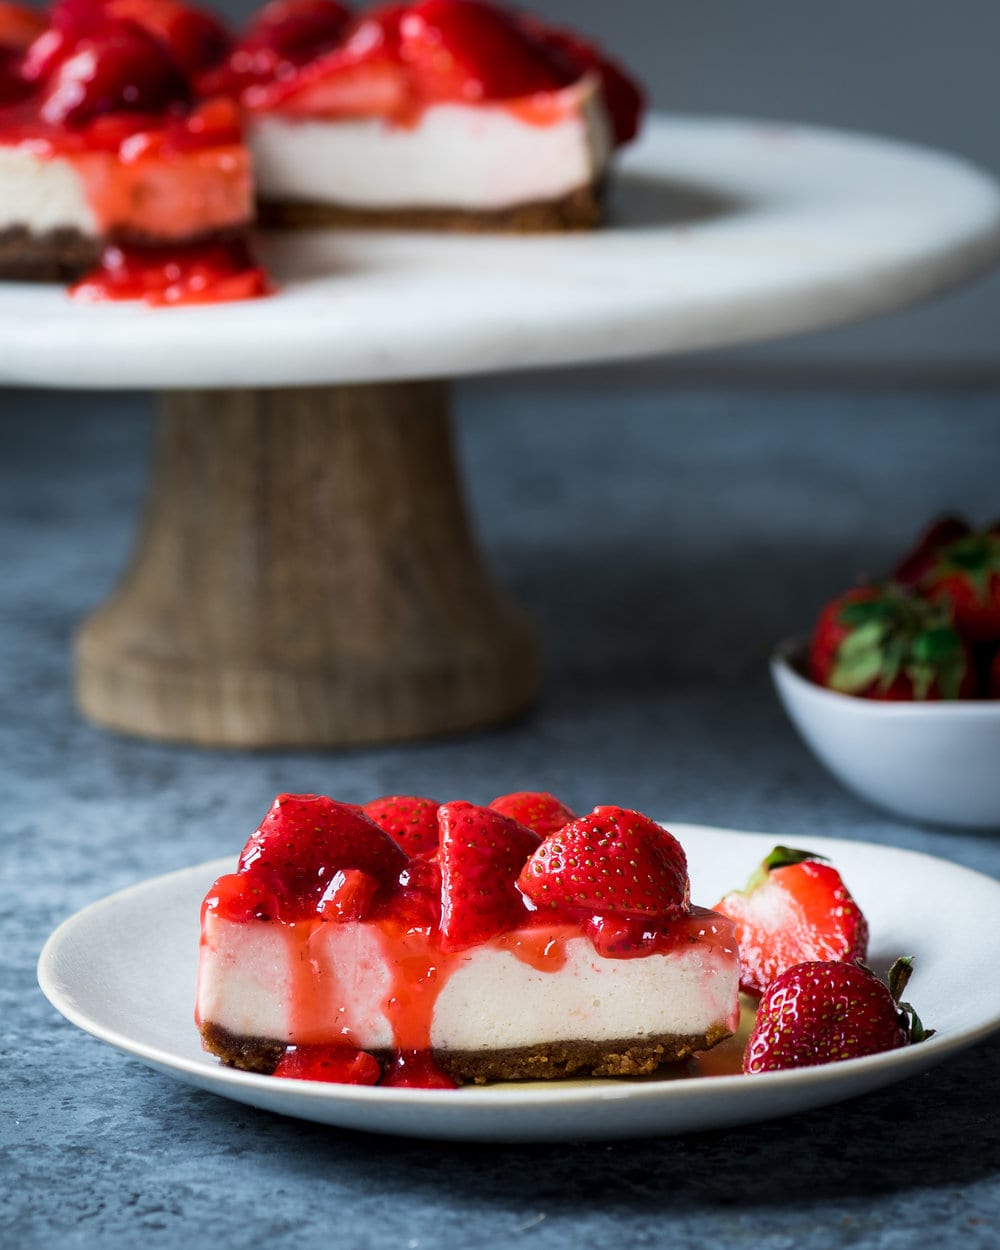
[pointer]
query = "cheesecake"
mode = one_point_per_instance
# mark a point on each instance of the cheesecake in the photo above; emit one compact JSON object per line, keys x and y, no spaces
{"x":453,"y":114}
{"x":490,"y":953}
{"x":110,"y":162}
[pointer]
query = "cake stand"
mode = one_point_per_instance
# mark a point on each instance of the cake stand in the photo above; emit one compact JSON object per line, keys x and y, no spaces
{"x":305,"y":572}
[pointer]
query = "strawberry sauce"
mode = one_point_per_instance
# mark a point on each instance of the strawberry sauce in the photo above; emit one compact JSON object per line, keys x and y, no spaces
{"x":203,"y":273}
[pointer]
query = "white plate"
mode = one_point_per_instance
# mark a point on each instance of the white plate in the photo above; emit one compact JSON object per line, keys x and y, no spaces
{"x":722,"y":231}
{"x":124,"y":969}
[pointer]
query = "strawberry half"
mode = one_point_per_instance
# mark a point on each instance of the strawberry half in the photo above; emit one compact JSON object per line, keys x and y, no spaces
{"x":537,"y":810}
{"x":795,"y":909}
{"x":817,"y":1013}
{"x":884,"y":642}
{"x":481,"y":854}
{"x":301,"y":846}
{"x":612,"y":862}
{"x":410,"y":821}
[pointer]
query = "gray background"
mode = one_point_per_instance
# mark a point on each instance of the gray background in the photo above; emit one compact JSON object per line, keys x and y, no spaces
{"x":921,"y":71}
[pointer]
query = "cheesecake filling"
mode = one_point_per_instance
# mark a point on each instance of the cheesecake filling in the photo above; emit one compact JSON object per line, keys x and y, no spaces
{"x":491,"y":156}
{"x":378,"y":986}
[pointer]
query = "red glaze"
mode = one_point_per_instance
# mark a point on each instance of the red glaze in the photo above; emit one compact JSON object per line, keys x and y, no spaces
{"x":416,"y":1069}
{"x":207,"y":273}
{"x":291,"y":32}
{"x":344,"y":1065}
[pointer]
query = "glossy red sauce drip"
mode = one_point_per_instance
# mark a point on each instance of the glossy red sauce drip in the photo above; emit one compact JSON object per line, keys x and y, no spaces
{"x":416,"y":1069}
{"x":617,"y":937}
{"x":543,"y":949}
{"x":343,"y":1065}
{"x":206,"y":273}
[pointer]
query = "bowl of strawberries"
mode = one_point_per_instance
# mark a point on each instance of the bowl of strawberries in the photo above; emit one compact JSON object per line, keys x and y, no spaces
{"x":897,"y":690}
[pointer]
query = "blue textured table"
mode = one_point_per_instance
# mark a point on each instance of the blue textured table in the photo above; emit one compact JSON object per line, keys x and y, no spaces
{"x":664,"y":539}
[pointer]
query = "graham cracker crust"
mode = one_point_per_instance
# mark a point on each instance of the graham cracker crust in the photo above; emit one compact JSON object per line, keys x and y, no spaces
{"x":66,"y":254}
{"x":579,"y":210}
{"x":551,"y":1061}
{"x":55,"y":256}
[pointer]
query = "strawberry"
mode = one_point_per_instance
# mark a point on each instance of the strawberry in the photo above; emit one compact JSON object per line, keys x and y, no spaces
{"x":612,"y":862}
{"x":469,"y":50}
{"x":196,"y":40}
{"x":795,"y":909}
{"x":409,"y":821}
{"x":922,"y":557}
{"x":623,"y":96}
{"x":481,"y":854}
{"x":816,"y":1013}
{"x":538,"y":811}
{"x":12,"y":84}
{"x":296,"y":31}
{"x":304,"y":842}
{"x":120,"y":67}
{"x":964,"y":576}
{"x":884,"y":642}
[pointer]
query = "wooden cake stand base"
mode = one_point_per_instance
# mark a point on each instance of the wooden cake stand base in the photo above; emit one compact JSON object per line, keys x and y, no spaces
{"x":305,"y":575}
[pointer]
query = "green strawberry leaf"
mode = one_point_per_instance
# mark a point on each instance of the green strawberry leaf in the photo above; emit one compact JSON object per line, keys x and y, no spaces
{"x":899,"y":976}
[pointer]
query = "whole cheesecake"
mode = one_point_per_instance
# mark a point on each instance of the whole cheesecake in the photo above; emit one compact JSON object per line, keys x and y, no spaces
{"x":339,"y":952}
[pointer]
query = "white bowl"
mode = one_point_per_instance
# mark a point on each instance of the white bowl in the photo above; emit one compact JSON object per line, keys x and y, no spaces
{"x":935,"y":763}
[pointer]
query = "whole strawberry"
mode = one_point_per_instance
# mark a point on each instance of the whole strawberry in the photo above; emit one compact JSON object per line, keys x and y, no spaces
{"x":964,"y":577}
{"x":612,"y":862}
{"x":885,"y":642}
{"x":924,"y":553}
{"x":816,"y":1013}
{"x":409,"y":820}
{"x":795,"y":909}
{"x":538,"y":810}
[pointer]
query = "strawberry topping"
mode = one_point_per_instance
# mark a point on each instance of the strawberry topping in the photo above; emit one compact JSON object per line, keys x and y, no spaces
{"x":538,"y":810}
{"x":795,"y":909}
{"x":344,"y":1065}
{"x":613,"y":862}
{"x":816,"y":1013}
{"x":196,"y":39}
{"x":408,"y":820}
{"x":481,"y":854}
{"x":304,"y":845}
{"x":120,"y":67}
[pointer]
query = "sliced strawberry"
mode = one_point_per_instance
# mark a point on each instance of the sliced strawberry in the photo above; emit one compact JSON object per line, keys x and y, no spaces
{"x":795,"y":909}
{"x":468,"y":50}
{"x":481,"y":854}
{"x":349,"y":81}
{"x":539,"y":811}
{"x":338,"y":1064}
{"x":304,"y":841}
{"x":885,"y":642}
{"x":612,"y":862}
{"x":816,"y":1013}
{"x":348,"y":896}
{"x":118,"y":68}
{"x":196,"y":39}
{"x":408,"y":820}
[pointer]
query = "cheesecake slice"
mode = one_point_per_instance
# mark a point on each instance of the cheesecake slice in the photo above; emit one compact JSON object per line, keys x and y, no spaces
{"x":451,"y":114}
{"x":104,"y":145}
{"x":332,"y":953}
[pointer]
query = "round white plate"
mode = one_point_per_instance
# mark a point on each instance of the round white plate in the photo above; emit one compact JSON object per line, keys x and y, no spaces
{"x":721,"y":232}
{"x":124,"y":970}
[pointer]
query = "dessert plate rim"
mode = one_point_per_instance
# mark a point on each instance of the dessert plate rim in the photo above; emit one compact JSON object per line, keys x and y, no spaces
{"x":98,"y":947}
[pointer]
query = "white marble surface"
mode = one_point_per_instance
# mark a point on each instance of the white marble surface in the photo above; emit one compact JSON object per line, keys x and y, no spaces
{"x":722,"y":232}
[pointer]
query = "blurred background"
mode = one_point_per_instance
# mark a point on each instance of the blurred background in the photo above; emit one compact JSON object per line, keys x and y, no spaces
{"x":916,"y":71}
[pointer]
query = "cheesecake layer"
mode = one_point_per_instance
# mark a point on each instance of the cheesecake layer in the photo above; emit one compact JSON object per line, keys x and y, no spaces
{"x":383,"y":989}
{"x":483,"y":159}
